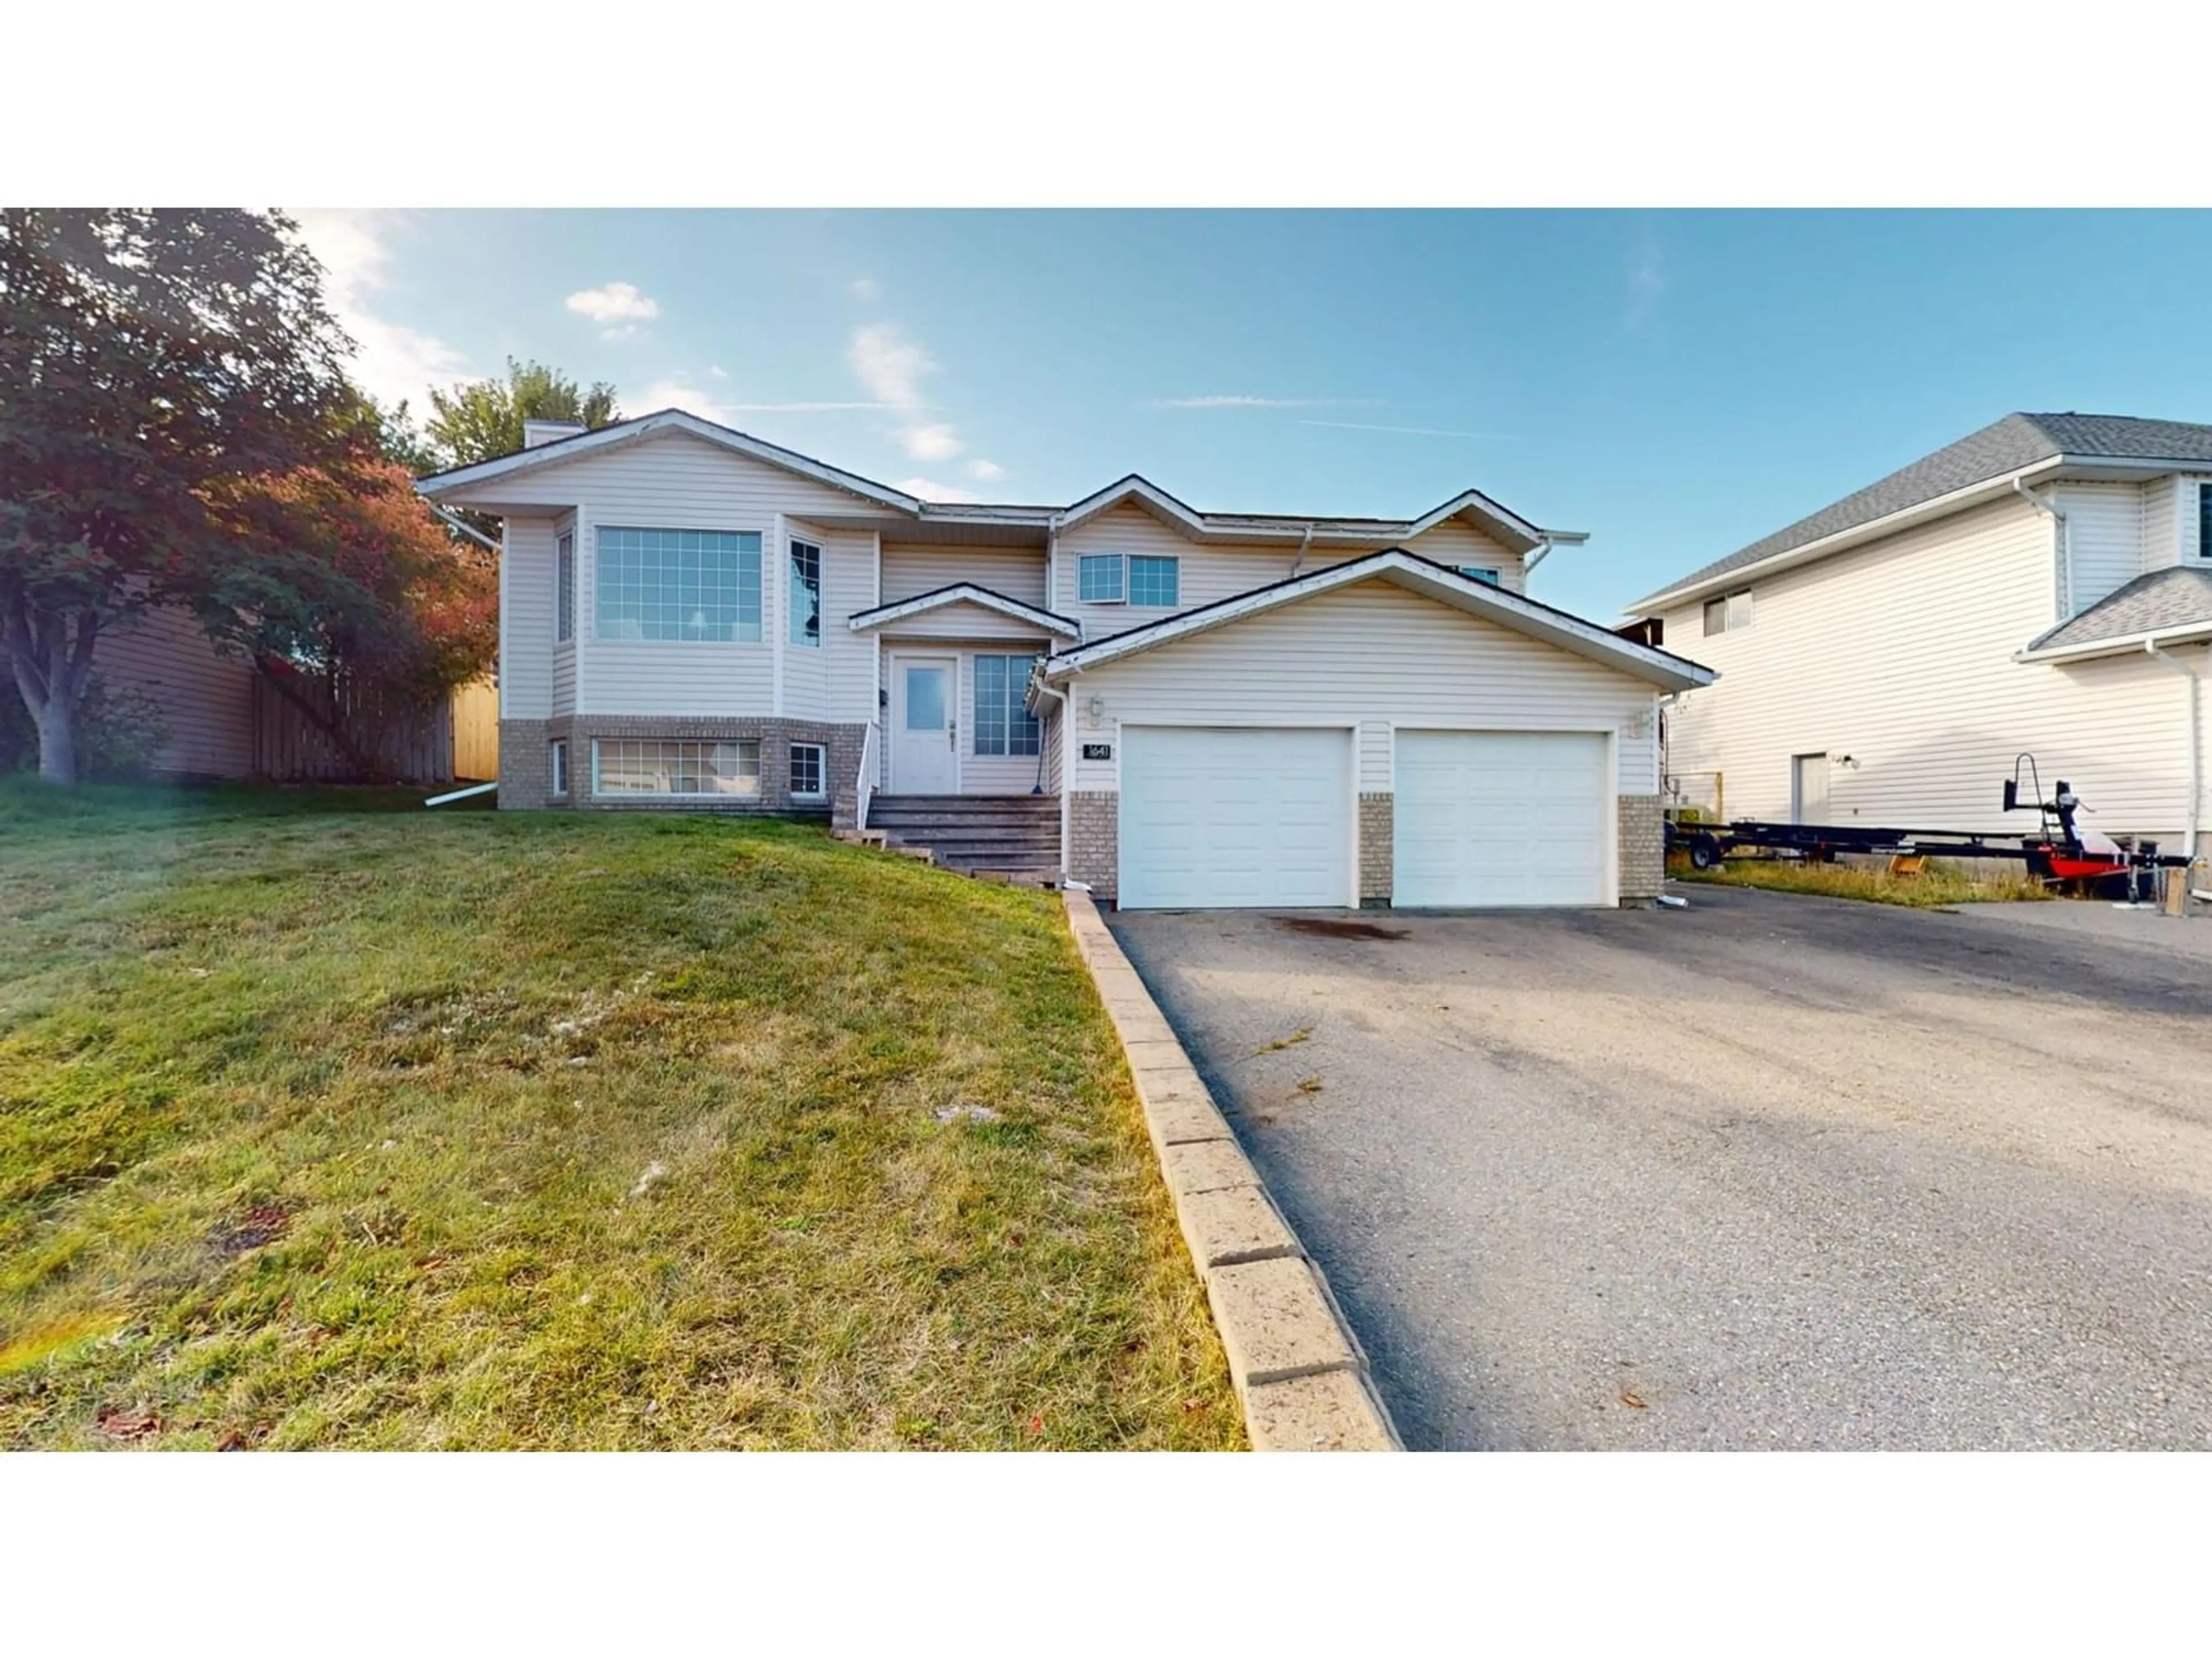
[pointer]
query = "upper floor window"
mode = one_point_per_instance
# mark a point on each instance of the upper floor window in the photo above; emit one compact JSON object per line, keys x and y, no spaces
{"x":1146,"y":578}
{"x":1098,"y":579}
{"x":564,"y":603}
{"x":1729,"y":614}
{"x":1480,"y":573}
{"x":1003,"y":724}
{"x":2204,"y":521}
{"x":1154,"y":580}
{"x":806,"y":593}
{"x":677,"y":585}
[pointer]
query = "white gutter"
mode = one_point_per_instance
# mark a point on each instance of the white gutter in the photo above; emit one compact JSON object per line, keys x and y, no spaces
{"x":2063,"y":597}
{"x":2120,"y":645}
{"x":2196,"y":738}
{"x":461,"y":525}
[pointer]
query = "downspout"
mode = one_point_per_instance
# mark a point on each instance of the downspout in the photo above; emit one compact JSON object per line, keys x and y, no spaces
{"x":2063,"y":597}
{"x":462,"y":525}
{"x":1303,"y":547}
{"x":2196,"y":740}
{"x":1543,"y":548}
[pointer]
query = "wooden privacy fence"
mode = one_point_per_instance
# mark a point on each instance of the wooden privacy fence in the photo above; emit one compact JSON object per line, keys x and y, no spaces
{"x":458,"y":738}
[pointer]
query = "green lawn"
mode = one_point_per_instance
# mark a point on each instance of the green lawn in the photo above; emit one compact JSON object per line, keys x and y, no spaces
{"x":327,"y":1121}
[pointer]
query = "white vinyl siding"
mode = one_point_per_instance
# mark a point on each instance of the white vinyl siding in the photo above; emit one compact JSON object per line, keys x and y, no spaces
{"x":2161,"y":523}
{"x":962,"y":620}
{"x":525,"y":665}
{"x":1378,"y":655}
{"x":1455,"y":542}
{"x":910,"y":570}
{"x":1900,"y":654}
{"x":1237,"y":816}
{"x":1487,"y":818}
{"x":2104,"y":538}
{"x":1206,"y":573}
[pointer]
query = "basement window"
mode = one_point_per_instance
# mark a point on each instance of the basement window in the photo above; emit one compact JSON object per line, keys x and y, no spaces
{"x":1728,"y":615}
{"x":807,"y":771}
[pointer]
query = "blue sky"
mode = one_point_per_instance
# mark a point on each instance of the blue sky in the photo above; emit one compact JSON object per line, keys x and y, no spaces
{"x":1676,"y":383}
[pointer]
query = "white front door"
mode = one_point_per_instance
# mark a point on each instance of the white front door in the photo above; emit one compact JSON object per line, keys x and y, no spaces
{"x":1483,"y":818}
{"x":1808,"y":788}
{"x":1234,"y":815}
{"x":925,"y":732}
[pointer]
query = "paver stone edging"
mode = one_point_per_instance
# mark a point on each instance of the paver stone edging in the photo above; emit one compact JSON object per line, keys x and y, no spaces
{"x":1300,"y":1375}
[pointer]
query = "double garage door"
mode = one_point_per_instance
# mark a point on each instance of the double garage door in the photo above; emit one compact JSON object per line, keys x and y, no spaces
{"x":1240,"y":817}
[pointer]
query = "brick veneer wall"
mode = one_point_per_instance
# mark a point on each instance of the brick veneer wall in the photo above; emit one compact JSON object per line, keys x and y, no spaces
{"x":1643,"y":847}
{"x":526,"y":764}
{"x":1093,"y":841}
{"x":1377,"y":829}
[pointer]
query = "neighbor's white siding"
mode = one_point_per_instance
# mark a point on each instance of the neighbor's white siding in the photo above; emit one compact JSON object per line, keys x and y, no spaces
{"x":1375,"y":656}
{"x":1900,"y":654}
{"x":1016,"y":572}
{"x":2104,"y":537}
{"x":526,"y":667}
{"x":204,"y":699}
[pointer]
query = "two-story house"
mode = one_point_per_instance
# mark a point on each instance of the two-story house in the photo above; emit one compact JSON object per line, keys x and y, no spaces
{"x":1177,"y":708}
{"x":2043,"y":586}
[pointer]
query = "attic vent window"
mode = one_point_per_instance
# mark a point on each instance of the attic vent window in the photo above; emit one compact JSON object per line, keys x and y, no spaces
{"x":1729,"y":614}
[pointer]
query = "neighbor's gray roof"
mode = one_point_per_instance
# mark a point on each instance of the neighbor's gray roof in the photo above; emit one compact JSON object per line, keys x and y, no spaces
{"x":2177,"y":596}
{"x":2003,"y":446}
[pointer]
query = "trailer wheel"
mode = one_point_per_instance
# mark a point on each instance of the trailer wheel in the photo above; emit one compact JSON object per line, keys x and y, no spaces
{"x":1705,"y":853}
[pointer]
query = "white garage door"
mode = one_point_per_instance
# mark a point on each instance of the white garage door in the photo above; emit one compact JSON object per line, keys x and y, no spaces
{"x":1221,"y":815}
{"x":1500,"y":817}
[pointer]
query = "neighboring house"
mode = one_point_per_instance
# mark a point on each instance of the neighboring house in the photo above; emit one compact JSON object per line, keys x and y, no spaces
{"x":221,"y":722}
{"x":1177,"y":708}
{"x":2043,"y":586}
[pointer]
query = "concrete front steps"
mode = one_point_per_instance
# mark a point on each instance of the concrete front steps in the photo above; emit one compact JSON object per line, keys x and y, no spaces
{"x":1012,"y":837}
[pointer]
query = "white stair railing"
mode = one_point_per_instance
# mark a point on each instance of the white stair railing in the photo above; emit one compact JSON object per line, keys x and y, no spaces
{"x":866,"y":789}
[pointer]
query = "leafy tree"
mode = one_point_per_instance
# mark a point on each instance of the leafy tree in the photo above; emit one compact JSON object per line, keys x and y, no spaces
{"x":145,"y":357}
{"x":355,"y":604}
{"x":477,"y":419}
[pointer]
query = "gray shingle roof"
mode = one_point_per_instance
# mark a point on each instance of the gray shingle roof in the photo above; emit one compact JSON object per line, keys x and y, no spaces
{"x":2174,"y":598}
{"x":2003,"y":446}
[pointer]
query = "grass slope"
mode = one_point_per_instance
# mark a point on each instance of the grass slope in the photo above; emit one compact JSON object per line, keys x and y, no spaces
{"x":330,"y":1126}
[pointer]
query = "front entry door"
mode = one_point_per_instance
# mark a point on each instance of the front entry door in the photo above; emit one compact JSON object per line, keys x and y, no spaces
{"x":925,"y":734}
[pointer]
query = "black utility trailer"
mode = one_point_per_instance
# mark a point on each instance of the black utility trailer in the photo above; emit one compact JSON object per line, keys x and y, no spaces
{"x":2055,"y":852}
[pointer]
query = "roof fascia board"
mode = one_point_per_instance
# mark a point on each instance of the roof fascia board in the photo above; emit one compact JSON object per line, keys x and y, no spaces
{"x":1495,"y":604}
{"x":2120,"y":645}
{"x":964,"y":594}
{"x":649,"y":426}
{"x":1841,"y":540}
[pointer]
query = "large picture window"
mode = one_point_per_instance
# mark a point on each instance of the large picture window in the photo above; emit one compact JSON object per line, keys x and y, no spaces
{"x":677,"y":585}
{"x":806,"y":593}
{"x":1003,"y":727}
{"x":657,"y":766}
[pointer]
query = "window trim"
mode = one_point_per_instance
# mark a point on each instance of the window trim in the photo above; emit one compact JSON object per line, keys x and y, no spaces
{"x":1015,"y":698}
{"x":564,"y":587}
{"x":759,"y":553}
{"x":821,"y":792}
{"x":1722,"y":606}
{"x":556,"y":767}
{"x":1129,"y":580}
{"x":1084,"y":564}
{"x":599,"y":793}
{"x":795,"y":587}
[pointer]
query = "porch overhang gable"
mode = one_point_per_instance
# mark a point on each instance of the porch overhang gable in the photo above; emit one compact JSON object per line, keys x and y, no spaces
{"x":1569,"y":632}
{"x":883,"y":615}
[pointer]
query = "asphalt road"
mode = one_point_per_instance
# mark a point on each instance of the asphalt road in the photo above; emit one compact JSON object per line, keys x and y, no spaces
{"x":1769,"y":1172}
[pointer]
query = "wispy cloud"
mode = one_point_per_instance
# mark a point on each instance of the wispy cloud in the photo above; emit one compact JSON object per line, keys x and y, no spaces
{"x":1647,"y":281}
{"x":935,"y":441}
{"x":867,"y":290}
{"x":1246,"y":400}
{"x":1410,"y":431}
{"x":930,"y":491}
{"x":676,"y":392}
{"x":820,"y":407}
{"x":888,"y":364}
{"x":987,"y":472}
{"x":391,"y":361}
{"x":619,"y":308}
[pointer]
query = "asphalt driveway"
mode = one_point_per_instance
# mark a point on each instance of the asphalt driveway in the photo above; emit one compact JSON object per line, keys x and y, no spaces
{"x":1769,"y":1172}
